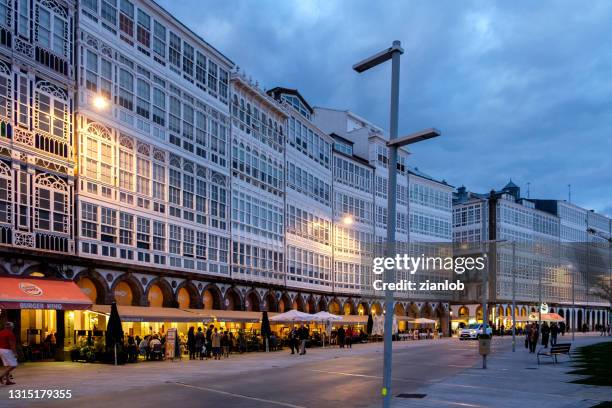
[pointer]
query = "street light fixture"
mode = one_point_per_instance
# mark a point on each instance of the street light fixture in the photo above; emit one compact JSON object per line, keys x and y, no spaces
{"x":392,"y":53}
{"x":100,"y":102}
{"x":347,"y":220}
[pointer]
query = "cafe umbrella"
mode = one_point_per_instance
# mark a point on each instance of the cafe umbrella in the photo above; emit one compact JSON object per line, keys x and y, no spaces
{"x":114,"y":331}
{"x":266,"y":331}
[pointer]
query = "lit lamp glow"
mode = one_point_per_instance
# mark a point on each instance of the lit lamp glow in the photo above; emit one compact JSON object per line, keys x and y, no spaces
{"x":100,"y":102}
{"x":347,"y":220}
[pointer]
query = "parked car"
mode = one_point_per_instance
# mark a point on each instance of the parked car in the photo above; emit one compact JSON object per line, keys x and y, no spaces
{"x":474,"y":331}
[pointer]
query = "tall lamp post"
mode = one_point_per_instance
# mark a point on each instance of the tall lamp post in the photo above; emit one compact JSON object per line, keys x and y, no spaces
{"x":393,"y":53}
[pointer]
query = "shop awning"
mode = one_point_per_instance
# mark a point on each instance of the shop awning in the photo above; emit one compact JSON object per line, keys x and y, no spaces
{"x":151,"y":314}
{"x":404,"y":318}
{"x":354,"y":319}
{"x":236,"y":316}
{"x":31,"y":293}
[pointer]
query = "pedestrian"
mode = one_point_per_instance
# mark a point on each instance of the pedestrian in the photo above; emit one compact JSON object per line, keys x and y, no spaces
{"x":527,"y":335}
{"x":554,"y":331}
{"x":8,"y":352}
{"x":341,"y":334}
{"x":209,"y":334}
{"x":216,"y":344}
{"x":533,"y":338}
{"x":303,"y":335}
{"x":562,"y":327}
{"x":291,"y":339}
{"x":225,"y":343}
{"x":545,"y":334}
{"x":191,"y":343}
{"x":502,"y":330}
{"x":349,"y":337}
{"x":200,"y":339}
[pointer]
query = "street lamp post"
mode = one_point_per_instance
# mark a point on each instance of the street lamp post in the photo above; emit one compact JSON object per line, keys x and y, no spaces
{"x":393,"y":53}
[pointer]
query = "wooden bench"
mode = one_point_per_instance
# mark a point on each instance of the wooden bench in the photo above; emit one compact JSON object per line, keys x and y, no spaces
{"x":554,"y":351}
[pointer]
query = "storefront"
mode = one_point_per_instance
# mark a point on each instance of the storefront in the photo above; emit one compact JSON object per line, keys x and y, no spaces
{"x":141,"y":321}
{"x":46,"y":313}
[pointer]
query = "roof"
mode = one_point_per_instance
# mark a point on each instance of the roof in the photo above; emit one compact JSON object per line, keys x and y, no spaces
{"x":510,"y":185}
{"x":342,"y":139}
{"x":356,"y":158}
{"x":417,"y":172}
{"x":276,"y":91}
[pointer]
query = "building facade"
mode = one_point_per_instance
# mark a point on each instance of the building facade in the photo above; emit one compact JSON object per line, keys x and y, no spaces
{"x":548,"y":262}
{"x":424,"y":205}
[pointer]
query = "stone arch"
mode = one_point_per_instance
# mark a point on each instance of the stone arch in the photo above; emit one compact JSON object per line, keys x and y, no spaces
{"x":562,"y":312}
{"x":188,"y":292}
{"x":444,"y":319}
{"x":310,"y":305}
{"x":334,"y":307}
{"x":252,"y":301}
{"x":376,"y":309}
{"x":363,"y":309}
{"x":427,"y":311}
{"x":97,"y":284}
{"x":579,"y":319}
{"x":509,"y":311}
{"x":136,"y":295}
{"x":349,"y":307}
{"x":211,"y":297}
{"x":270,"y":303}
{"x":399,"y":310}
{"x":413,"y":311}
{"x":463,"y":312}
{"x":479,"y":313}
{"x":524,"y":311}
{"x":159,"y":293}
{"x":322,"y":305}
{"x":232,"y":300}
{"x":284,"y":303}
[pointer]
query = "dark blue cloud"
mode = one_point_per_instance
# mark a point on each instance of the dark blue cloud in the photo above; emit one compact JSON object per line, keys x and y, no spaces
{"x":519,"y":89}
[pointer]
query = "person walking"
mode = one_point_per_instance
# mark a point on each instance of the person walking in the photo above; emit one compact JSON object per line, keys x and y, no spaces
{"x":554,"y":332}
{"x":533,"y":338}
{"x":341,"y":334}
{"x":545,"y":334}
{"x":303,"y":335}
{"x":200,"y":340}
{"x":291,"y":339}
{"x":225,"y":344}
{"x":8,"y":352}
{"x":349,"y":337}
{"x":209,"y":333}
{"x":562,"y":328}
{"x":191,"y":343}
{"x":216,"y":344}
{"x":527,"y":332}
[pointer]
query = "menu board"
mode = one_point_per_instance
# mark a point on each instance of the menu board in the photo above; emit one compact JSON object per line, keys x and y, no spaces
{"x":170,"y":342}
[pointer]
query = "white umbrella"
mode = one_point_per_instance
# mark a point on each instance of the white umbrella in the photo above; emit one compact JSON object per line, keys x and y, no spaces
{"x":326,"y":316}
{"x":422,"y":320}
{"x":293,"y":316}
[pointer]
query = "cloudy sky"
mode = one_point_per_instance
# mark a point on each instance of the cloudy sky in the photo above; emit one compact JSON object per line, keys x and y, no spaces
{"x":520,"y":90}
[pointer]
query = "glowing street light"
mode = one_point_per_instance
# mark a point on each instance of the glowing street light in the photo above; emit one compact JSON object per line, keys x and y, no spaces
{"x":347,"y":220}
{"x":100,"y":102}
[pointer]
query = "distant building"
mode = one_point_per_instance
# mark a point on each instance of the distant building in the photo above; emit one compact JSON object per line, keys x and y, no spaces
{"x":546,"y":233}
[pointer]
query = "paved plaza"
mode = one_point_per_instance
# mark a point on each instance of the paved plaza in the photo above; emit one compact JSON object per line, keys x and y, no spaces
{"x":446,"y":370}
